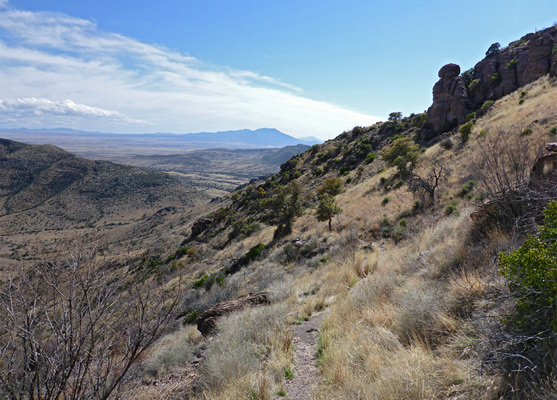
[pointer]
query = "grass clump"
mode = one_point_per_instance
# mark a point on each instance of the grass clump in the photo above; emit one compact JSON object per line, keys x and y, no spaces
{"x":526,"y":131}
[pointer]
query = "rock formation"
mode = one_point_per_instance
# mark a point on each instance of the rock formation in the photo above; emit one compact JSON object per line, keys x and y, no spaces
{"x":207,"y":320}
{"x":450,"y":100}
{"x":498,"y":74}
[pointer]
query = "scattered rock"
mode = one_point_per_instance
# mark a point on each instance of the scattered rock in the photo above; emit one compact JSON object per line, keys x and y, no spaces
{"x":207,"y":320}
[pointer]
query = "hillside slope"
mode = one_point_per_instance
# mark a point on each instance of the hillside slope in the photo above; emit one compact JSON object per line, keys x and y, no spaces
{"x":47,"y":193}
{"x":394,"y":229}
{"x":417,"y":308}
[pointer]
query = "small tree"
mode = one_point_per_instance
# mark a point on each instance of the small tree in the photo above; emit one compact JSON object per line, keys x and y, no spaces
{"x":331,"y":186}
{"x":285,"y":205}
{"x":403,"y":153}
{"x":395,"y":116}
{"x":327,"y":209}
{"x":493,"y":49}
{"x":427,"y":185}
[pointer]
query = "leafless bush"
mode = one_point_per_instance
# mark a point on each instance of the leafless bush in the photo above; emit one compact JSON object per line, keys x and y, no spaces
{"x":425,"y":188}
{"x":72,"y":329}
{"x":503,"y":174}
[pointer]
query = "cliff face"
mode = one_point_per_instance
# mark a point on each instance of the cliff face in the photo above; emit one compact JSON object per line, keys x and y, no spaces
{"x":498,"y":74}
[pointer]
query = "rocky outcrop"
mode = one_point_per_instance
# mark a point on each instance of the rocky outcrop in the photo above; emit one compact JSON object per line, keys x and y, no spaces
{"x":206,"y":322}
{"x":450,"y":100}
{"x":200,"y":226}
{"x":498,"y":74}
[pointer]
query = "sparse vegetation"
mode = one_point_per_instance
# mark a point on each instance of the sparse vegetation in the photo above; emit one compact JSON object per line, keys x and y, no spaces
{"x":532,"y":274}
{"x":403,"y":153}
{"x":465,"y":130}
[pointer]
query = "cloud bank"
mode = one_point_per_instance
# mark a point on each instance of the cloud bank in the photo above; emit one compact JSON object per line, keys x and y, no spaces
{"x":60,"y":70}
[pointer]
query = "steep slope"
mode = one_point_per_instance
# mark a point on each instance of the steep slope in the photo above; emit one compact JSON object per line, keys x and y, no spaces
{"x":417,"y":307}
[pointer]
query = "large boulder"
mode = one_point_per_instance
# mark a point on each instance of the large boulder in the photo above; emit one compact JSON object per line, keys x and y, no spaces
{"x":206,"y":322}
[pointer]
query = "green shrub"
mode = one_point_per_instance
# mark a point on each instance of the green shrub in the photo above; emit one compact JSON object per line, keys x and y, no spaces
{"x":403,"y":154}
{"x":520,"y":102}
{"x":553,"y":131}
{"x":254,"y":252}
{"x":343,"y":170}
{"x":474,"y":84}
{"x":447,"y":144}
{"x":470,"y":116}
{"x":467,"y":188}
{"x":487,"y":105}
{"x":317,"y":171}
{"x":512,"y":64}
{"x":199,"y":283}
{"x":532,"y":274}
{"x":370,"y":158}
{"x":465,"y":130}
{"x":494,"y":77}
{"x":451,"y":209}
{"x":385,"y":201}
{"x":191,"y":317}
{"x":523,"y":94}
{"x":182,"y":251}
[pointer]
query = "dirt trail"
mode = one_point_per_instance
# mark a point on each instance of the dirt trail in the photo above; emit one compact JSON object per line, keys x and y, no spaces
{"x":306,"y":374}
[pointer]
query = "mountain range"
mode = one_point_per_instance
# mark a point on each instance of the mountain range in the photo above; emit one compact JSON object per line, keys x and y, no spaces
{"x":245,"y":138}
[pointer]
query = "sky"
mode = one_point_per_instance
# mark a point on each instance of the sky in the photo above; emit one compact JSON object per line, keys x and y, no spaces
{"x":305,"y":67}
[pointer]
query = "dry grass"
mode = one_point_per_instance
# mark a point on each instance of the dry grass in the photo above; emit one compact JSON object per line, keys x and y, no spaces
{"x":403,"y":321}
{"x":172,"y":352}
{"x":248,"y":355}
{"x":387,"y":338}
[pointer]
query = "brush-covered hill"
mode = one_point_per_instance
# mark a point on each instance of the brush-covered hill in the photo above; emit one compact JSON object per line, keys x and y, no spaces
{"x":48,"y":192}
{"x":393,"y":232}
{"x":408,"y":275}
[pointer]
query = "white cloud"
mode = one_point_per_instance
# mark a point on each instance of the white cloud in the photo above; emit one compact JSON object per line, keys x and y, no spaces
{"x":3,"y":3}
{"x":30,"y":106}
{"x":50,"y":57}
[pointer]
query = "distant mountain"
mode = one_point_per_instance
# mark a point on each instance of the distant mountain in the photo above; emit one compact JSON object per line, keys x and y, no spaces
{"x":245,"y":138}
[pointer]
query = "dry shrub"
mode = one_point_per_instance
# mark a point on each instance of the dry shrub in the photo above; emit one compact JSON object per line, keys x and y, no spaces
{"x":241,"y":348}
{"x":420,"y":313}
{"x":172,"y":351}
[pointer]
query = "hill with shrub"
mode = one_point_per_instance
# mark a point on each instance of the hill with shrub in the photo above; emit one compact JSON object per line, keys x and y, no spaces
{"x":430,"y":251}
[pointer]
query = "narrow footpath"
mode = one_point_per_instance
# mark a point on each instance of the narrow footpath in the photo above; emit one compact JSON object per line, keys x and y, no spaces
{"x":306,"y":374}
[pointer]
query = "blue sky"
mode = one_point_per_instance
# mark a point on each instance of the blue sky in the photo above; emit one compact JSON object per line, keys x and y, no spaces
{"x":304,"y":67}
